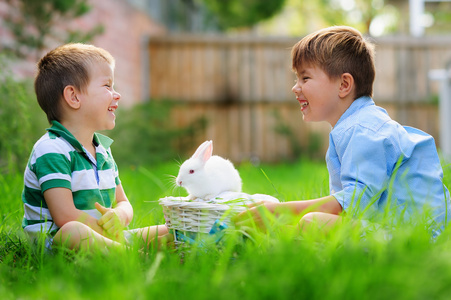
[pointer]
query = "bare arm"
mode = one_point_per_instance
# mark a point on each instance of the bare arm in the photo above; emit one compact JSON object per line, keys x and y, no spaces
{"x":62,"y":209}
{"x":326,"y":204}
{"x":114,"y":219}
{"x":123,"y":207}
{"x":61,"y":206}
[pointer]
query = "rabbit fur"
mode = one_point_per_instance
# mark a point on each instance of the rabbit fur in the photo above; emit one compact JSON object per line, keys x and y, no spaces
{"x":205,"y":175}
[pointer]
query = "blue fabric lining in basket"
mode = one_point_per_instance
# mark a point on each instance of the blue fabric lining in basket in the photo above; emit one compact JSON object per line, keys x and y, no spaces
{"x":217,"y":230}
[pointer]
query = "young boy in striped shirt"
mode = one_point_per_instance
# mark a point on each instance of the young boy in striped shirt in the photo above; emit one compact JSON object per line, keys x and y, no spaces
{"x":72,"y":194}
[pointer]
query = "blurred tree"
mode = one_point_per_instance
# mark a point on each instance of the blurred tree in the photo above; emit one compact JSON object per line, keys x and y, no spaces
{"x":438,"y":17}
{"x":35,"y":23}
{"x":20,"y":125}
{"x":299,"y":17}
{"x":209,"y":15}
{"x":242,"y":13}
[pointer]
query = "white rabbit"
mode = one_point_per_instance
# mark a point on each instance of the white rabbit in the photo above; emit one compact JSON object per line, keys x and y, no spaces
{"x":205,"y":176}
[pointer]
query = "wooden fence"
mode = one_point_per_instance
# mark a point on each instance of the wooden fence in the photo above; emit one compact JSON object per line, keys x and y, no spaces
{"x":243,"y":87}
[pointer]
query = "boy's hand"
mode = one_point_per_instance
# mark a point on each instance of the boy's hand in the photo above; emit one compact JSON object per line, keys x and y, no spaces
{"x":258,"y":215}
{"x":110,"y":222}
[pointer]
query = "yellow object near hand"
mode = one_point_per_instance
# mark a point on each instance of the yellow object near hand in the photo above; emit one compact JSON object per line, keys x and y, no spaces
{"x":110,"y":221}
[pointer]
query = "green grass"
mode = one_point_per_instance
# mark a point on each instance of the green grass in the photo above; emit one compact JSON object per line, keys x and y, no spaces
{"x":275,"y":265}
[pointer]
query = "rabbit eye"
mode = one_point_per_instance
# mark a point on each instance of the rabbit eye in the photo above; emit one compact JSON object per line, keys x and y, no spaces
{"x":191,"y":171}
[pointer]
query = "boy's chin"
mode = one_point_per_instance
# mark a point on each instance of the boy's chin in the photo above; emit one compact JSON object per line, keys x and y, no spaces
{"x":109,"y":126}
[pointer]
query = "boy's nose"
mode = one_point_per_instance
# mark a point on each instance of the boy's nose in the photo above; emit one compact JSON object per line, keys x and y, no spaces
{"x":296,"y":88}
{"x":116,"y":96}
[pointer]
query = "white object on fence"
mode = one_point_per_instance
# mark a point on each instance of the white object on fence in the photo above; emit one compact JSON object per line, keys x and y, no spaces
{"x":444,"y":76}
{"x":416,"y":9}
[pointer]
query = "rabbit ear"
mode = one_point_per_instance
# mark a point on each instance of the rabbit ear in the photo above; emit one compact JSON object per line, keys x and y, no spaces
{"x":200,"y":149}
{"x":204,"y":151}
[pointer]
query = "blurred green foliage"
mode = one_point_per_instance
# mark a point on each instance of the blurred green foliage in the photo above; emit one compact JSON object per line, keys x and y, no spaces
{"x":144,"y":134}
{"x":310,"y":150}
{"x":21,"y":120}
{"x":34,"y":23}
{"x":243,"y":13}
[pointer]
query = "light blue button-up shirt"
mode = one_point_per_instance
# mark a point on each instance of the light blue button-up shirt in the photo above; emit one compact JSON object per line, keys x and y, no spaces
{"x":374,"y":162}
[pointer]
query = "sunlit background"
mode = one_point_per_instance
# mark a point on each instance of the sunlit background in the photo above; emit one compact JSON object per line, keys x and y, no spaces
{"x":191,"y":70}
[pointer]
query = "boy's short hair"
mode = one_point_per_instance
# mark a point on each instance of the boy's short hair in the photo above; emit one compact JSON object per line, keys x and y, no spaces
{"x":337,"y":50}
{"x":65,"y":65}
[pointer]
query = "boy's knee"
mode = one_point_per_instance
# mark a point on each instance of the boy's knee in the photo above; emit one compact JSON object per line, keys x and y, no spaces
{"x":308,"y":218}
{"x":69,"y":231}
{"x":73,"y":227}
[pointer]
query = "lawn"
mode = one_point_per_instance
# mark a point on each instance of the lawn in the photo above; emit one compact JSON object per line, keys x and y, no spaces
{"x":272,"y":265}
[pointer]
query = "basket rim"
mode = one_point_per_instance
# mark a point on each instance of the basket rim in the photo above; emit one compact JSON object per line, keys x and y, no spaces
{"x":184,"y":202}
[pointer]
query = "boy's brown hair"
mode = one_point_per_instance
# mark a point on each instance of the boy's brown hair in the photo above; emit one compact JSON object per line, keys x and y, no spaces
{"x":65,"y":65}
{"x":337,"y":50}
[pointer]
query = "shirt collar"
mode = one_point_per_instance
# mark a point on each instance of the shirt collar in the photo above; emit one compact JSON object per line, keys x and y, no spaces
{"x":58,"y":129}
{"x":356,"y":105}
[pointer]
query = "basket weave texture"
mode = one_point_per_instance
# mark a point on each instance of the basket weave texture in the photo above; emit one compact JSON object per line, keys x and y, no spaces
{"x":199,"y":215}
{"x":183,"y":215}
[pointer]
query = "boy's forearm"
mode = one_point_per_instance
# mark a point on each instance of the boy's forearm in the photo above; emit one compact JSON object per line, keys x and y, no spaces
{"x":61,"y":206}
{"x":326,"y":204}
{"x":123,"y":207}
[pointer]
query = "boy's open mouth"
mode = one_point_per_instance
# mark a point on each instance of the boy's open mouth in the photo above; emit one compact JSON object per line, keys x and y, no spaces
{"x":112,"y":108}
{"x":303,"y":103}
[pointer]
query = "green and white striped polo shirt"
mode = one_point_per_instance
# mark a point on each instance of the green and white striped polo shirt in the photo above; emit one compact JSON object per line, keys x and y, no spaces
{"x":59,"y":160}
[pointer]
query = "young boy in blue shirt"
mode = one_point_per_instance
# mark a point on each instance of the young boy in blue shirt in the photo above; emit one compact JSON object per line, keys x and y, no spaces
{"x":72,"y":193}
{"x":373,"y":161}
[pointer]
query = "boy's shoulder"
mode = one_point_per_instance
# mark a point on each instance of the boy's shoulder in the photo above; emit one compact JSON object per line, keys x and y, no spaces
{"x":373,"y":117}
{"x":52,"y":143}
{"x":365,"y":115}
{"x":371,"y":123}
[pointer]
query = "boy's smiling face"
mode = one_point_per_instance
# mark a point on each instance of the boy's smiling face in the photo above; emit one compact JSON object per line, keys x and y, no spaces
{"x":318,"y":95}
{"x":100,"y":100}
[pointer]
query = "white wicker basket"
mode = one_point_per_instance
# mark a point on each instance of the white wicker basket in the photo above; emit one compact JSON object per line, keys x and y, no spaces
{"x":198,"y":216}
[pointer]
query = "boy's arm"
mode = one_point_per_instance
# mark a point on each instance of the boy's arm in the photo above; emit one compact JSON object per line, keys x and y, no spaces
{"x":122,"y":208}
{"x":114,"y":219}
{"x":62,"y":209}
{"x":326,"y":204}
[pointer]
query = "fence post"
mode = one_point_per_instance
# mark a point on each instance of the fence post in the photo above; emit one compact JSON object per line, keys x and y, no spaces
{"x":444,"y":76}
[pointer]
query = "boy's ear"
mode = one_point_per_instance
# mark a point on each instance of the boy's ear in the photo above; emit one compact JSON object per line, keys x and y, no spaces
{"x":347,"y":85}
{"x":70,"y":97}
